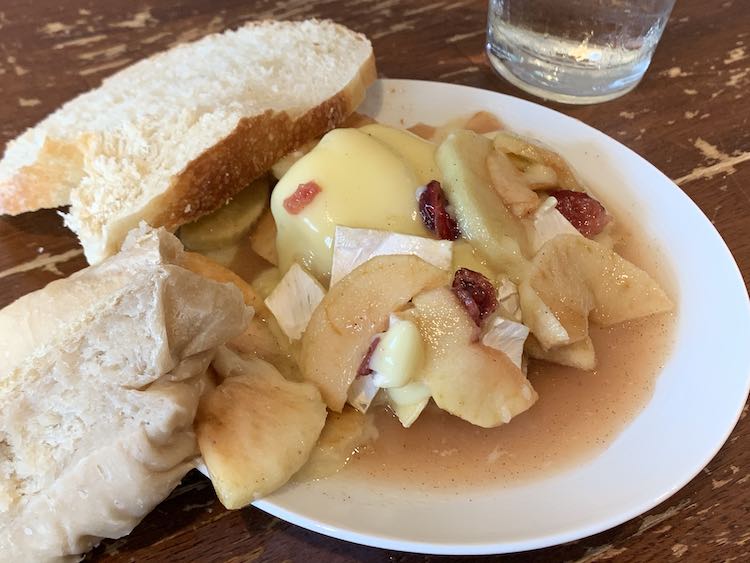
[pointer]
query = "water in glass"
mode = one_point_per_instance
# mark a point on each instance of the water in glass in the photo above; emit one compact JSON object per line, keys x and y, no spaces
{"x":574,"y":51}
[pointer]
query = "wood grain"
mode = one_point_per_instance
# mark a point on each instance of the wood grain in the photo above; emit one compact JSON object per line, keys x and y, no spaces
{"x":689,"y":117}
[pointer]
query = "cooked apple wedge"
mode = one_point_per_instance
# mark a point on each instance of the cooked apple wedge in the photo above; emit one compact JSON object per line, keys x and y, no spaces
{"x":538,"y":176}
{"x":408,"y":402}
{"x":263,"y":238}
{"x":482,"y":217}
{"x":264,"y":340}
{"x":467,"y":379}
{"x":540,"y":319}
{"x":510,"y":185}
{"x":578,"y":279}
{"x":465,"y":255}
{"x":534,"y":154}
{"x":211,"y":269}
{"x":579,"y":354}
{"x":265,"y":281}
{"x":343,"y":435}
{"x":352,"y":312}
{"x":229,"y":224}
{"x":256,"y":430}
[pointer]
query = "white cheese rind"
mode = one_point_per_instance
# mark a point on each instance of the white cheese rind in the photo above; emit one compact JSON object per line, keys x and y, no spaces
{"x":362,"y":392}
{"x":408,"y":402}
{"x":547,"y":223}
{"x":294,"y":299}
{"x":354,"y":247}
{"x":508,"y":337}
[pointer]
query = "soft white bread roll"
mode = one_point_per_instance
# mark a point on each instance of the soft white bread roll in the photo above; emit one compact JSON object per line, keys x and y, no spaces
{"x":176,"y":135}
{"x":100,"y":377}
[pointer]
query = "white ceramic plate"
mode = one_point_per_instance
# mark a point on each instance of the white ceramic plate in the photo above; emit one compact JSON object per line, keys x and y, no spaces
{"x":697,"y":400}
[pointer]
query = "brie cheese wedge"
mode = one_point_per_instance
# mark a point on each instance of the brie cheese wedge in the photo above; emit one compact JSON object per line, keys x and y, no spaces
{"x":362,"y":392}
{"x":508,"y":337}
{"x":294,"y":299}
{"x":354,"y":247}
{"x":547,"y":223}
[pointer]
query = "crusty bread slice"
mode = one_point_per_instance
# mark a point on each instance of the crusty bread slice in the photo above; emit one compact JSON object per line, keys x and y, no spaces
{"x":100,"y":379}
{"x":176,"y":135}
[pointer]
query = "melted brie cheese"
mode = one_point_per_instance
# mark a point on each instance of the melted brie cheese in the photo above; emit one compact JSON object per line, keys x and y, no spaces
{"x":367,"y":180}
{"x":399,"y":354}
{"x":417,"y":152}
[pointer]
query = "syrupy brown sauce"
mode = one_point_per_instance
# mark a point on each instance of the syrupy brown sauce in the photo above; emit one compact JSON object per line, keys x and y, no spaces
{"x":577,"y":416}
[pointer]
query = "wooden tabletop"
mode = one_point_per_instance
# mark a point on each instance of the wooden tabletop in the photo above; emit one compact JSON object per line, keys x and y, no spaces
{"x":689,"y":117}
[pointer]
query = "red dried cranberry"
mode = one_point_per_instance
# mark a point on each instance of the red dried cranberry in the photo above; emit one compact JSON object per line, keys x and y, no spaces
{"x":302,"y":197}
{"x":364,"y":367}
{"x":464,"y":296}
{"x":476,"y":293}
{"x":583,"y":211}
{"x":433,"y":206}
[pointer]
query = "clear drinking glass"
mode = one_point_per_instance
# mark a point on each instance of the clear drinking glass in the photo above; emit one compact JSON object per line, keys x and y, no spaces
{"x":574,"y":51}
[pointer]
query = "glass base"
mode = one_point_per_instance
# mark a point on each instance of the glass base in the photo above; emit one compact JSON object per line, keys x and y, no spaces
{"x":506,"y":71}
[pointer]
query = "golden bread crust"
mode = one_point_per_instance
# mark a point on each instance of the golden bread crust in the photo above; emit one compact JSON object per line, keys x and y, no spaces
{"x":250,"y":150}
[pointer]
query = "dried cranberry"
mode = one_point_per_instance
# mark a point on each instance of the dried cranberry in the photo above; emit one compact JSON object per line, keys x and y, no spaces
{"x":364,"y":367}
{"x":476,"y":293}
{"x":466,"y":299}
{"x":433,"y":206}
{"x":583,"y":211}
{"x":302,"y":197}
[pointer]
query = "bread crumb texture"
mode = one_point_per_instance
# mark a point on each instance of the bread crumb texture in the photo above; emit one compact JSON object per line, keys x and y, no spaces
{"x":185,"y":128}
{"x":100,"y":381}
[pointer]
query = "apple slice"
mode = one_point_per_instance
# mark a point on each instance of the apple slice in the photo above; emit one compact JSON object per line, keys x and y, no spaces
{"x":510,"y":185}
{"x":579,"y":354}
{"x":532,"y":153}
{"x":263,"y":238}
{"x":578,"y":278}
{"x":352,"y":312}
{"x":482,"y":217}
{"x":408,"y":402}
{"x":229,"y":224}
{"x":343,"y":436}
{"x":264,"y":340}
{"x":256,"y":429}
{"x":467,"y":379}
{"x":540,"y":319}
